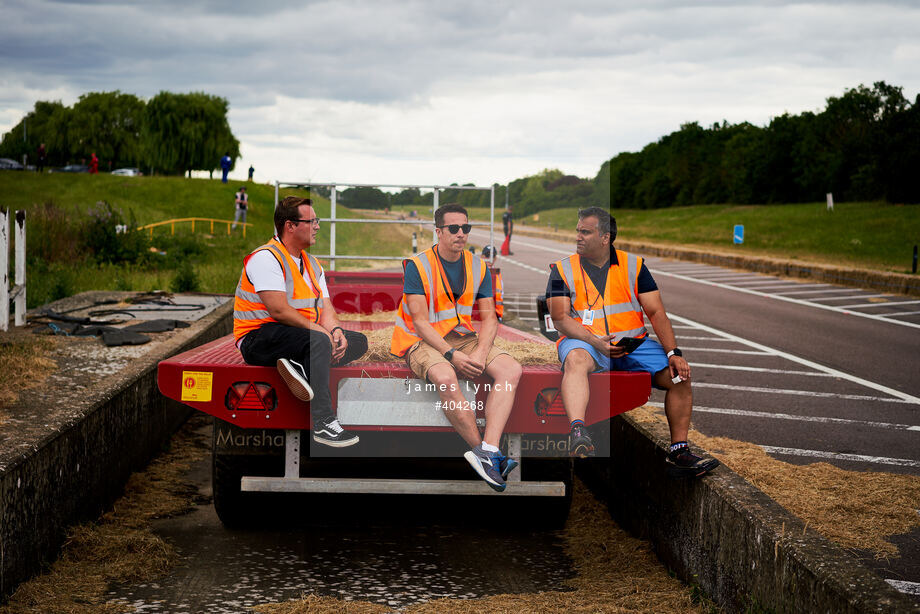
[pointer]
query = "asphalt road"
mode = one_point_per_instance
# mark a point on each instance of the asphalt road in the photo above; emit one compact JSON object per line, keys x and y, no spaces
{"x":810,"y":371}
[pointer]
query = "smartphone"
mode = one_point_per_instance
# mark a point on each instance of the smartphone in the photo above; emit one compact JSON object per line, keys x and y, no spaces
{"x":629,"y":343}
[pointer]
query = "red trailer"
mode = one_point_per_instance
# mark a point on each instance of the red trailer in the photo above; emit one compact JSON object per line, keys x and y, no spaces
{"x":258,"y":422}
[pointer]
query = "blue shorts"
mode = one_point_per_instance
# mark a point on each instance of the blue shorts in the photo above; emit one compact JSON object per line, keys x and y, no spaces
{"x":648,"y":357}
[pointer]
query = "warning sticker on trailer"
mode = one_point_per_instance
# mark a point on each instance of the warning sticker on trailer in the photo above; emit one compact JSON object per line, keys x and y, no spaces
{"x":196,"y":386}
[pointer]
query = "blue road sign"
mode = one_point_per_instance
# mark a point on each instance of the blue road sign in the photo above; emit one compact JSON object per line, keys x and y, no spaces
{"x":739,"y":233}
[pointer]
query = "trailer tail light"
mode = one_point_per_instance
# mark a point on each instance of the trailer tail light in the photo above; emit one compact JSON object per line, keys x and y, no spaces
{"x":549,"y":403}
{"x":258,"y":396}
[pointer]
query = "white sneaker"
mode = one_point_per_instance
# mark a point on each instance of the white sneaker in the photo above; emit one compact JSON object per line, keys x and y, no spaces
{"x":295,"y":377}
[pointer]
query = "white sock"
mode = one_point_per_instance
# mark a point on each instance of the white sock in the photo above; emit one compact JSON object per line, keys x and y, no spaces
{"x":488,"y":447}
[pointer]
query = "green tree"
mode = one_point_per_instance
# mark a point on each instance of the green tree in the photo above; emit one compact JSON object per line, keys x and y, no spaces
{"x":109,"y":124}
{"x":186,"y":132}
{"x":46,"y":123}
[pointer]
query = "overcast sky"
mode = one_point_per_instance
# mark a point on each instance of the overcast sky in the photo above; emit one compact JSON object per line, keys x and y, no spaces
{"x":436,"y":92}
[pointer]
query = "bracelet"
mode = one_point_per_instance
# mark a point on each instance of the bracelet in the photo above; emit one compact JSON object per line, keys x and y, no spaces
{"x":675,"y":352}
{"x":337,"y":328}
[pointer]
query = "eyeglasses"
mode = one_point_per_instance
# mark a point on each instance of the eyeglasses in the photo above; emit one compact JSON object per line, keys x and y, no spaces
{"x":314,"y":221}
{"x":455,"y":228}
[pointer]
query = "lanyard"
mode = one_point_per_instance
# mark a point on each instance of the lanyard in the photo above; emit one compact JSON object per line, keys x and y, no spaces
{"x":584,"y":283}
{"x":445,"y":285}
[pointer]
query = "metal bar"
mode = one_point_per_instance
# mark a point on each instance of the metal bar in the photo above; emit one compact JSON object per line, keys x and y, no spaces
{"x":329,"y":257}
{"x":399,"y":487}
{"x":514,"y":451}
{"x":300,"y":184}
{"x":420,"y":222}
{"x":435,"y":203}
{"x":276,"y":195}
{"x":332,"y":199}
{"x":20,"y":300}
{"x":292,"y":454}
{"x":492,"y":227}
{"x":4,"y":269}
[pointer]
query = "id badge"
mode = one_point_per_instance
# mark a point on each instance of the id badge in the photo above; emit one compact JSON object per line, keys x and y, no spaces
{"x":587,"y":317}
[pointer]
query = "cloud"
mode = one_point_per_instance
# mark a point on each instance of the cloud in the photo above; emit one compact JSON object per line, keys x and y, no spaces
{"x":407,"y":87}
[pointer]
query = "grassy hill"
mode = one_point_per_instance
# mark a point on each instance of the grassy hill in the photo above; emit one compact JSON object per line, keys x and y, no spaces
{"x":870,"y":235}
{"x":59,"y":206}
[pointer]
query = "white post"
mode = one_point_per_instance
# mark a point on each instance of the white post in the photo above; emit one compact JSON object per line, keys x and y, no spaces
{"x":4,"y":269}
{"x":332,"y":229}
{"x":434,"y":207}
{"x":20,"y":300}
{"x":830,"y":201}
{"x":276,"y":195}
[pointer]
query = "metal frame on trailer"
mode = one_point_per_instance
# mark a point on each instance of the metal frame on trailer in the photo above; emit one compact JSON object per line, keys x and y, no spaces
{"x":333,"y":220}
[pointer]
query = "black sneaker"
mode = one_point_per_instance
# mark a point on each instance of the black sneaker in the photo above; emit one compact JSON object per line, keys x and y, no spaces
{"x":682,"y":463}
{"x":580,"y":443}
{"x":332,"y":434}
{"x":295,"y":377}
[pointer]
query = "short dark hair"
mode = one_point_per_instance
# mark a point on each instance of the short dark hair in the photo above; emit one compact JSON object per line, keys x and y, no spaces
{"x":605,"y":222}
{"x":448,"y":208}
{"x":286,"y":211}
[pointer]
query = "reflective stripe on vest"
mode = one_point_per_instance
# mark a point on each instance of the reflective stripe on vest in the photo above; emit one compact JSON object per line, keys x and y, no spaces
{"x":618,"y":311}
{"x":443,"y":314}
{"x":249,"y":313}
{"x":499,"y":296}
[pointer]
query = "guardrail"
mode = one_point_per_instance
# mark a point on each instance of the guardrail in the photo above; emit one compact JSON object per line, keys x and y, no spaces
{"x":172,"y":224}
{"x":18,"y":292}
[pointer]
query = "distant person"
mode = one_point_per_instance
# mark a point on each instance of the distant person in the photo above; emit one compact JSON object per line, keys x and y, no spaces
{"x":283,"y":317}
{"x":93,"y":164}
{"x":252,"y":171}
{"x":242,"y":203}
{"x":42,"y":156}
{"x":507,"y":227}
{"x":597,"y":297}
{"x":225,"y":163}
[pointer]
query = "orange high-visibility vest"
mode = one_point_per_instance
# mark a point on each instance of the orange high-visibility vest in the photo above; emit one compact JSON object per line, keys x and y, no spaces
{"x":249,"y":313}
{"x":616,"y":312}
{"x":499,"y":302}
{"x":443,"y":314}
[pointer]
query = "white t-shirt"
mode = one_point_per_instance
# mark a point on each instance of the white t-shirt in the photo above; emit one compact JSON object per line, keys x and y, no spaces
{"x":265,"y":273}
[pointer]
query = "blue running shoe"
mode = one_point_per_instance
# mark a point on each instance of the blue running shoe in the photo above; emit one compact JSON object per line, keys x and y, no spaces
{"x":507,"y":465}
{"x":488,"y":466}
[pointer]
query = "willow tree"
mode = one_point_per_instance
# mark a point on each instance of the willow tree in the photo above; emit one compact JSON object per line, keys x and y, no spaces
{"x":186,"y":132}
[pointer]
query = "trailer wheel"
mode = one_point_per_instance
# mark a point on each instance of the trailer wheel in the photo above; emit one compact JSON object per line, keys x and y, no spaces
{"x":235,"y":508}
{"x":547,"y":512}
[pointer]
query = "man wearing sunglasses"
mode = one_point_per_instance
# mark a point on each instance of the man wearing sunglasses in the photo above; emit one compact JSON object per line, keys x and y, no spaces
{"x":596,"y":298}
{"x":282,"y":317}
{"x":434,"y":333}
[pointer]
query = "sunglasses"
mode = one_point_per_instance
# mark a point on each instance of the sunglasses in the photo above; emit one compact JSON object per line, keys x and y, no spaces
{"x":314,"y":221}
{"x":455,"y":228}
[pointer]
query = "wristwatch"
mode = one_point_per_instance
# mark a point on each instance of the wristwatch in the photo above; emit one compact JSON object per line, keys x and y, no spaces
{"x":449,"y":354}
{"x":675,"y":352}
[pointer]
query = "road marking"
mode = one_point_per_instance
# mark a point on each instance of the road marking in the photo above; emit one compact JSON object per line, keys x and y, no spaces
{"x":522,"y":265}
{"x":900,"y":313}
{"x":760,"y":369}
{"x":885,"y":304}
{"x":767,"y":282}
{"x":792,"y":300}
{"x":824,"y":420}
{"x":911,"y":588}
{"x":802,"y":393}
{"x":801,"y":361}
{"x":733,"y":277}
{"x":724,"y":351}
{"x":702,"y":338}
{"x":859,"y":458}
{"x":849,"y":296}
{"x":812,"y":291}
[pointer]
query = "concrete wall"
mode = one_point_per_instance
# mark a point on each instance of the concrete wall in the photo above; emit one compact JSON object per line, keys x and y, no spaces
{"x":723,"y":534}
{"x":79,"y":470}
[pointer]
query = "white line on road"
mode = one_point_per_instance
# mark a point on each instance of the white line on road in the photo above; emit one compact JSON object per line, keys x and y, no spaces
{"x":859,"y":458}
{"x":802,"y":393}
{"x":848,"y":296}
{"x":503,"y":259}
{"x":760,"y":369}
{"x":768,"y":415}
{"x":885,"y":304}
{"x":911,"y":588}
{"x":825,"y":291}
{"x":791,"y":300}
{"x":900,"y":313}
{"x":724,"y":351}
{"x":703,"y":338}
{"x":801,"y":361}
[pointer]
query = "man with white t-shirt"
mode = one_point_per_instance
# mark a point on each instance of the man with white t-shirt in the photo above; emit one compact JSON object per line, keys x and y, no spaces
{"x":283,"y":317}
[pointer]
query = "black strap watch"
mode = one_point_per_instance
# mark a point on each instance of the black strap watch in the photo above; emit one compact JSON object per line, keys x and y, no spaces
{"x":675,"y":352}
{"x":449,"y":354}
